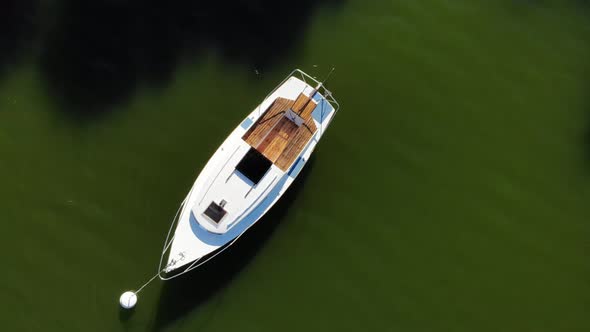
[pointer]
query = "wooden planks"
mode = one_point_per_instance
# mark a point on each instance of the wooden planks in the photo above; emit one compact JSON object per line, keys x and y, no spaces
{"x":274,"y":144}
{"x":300,"y":103}
{"x":304,"y":106}
{"x":267,"y":121}
{"x":278,"y":138}
{"x":306,"y":113}
{"x":294,"y":148}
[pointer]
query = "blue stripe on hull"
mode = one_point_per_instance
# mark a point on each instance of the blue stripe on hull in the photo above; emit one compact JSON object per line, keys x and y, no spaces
{"x":221,"y":239}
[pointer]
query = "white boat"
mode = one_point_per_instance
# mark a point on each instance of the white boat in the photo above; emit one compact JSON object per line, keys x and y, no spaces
{"x":248,"y":173}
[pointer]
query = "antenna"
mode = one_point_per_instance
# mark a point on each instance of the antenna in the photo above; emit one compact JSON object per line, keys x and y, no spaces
{"x":320,"y":84}
{"x":317,"y":88}
{"x":328,"y":76}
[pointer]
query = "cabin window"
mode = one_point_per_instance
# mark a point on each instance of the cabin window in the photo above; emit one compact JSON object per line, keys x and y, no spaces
{"x":254,"y":165}
{"x":215,"y":211}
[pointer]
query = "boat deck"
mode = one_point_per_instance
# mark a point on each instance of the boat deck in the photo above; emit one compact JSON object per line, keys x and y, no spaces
{"x":277,"y":134}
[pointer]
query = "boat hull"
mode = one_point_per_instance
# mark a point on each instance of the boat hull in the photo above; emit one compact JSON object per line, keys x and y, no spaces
{"x":194,"y":238}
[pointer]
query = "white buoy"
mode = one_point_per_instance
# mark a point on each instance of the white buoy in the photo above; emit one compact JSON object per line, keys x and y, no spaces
{"x":128,"y":300}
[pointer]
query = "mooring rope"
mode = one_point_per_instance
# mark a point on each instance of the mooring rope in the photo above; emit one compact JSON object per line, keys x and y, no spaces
{"x":173,"y":262}
{"x":147,"y":283}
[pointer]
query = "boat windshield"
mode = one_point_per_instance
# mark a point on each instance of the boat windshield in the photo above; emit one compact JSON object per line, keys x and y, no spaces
{"x":254,"y":165}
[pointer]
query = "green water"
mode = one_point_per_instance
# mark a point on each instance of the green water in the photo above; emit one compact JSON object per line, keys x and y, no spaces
{"x":452,"y":192}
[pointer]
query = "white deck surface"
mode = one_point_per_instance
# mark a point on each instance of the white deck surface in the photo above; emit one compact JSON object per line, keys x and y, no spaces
{"x":195,"y":235}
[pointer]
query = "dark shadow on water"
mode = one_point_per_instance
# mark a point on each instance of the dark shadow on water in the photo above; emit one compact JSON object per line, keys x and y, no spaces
{"x":185,"y":293}
{"x":17,"y":30}
{"x":586,"y":139}
{"x":100,"y":52}
{"x":524,"y":6}
{"x":125,"y":314}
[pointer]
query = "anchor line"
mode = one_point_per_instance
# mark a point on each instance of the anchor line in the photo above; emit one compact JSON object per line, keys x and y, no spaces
{"x":172,"y":262}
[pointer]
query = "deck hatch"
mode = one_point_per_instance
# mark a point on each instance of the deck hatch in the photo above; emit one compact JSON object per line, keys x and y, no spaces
{"x":254,"y":165}
{"x":215,"y":211}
